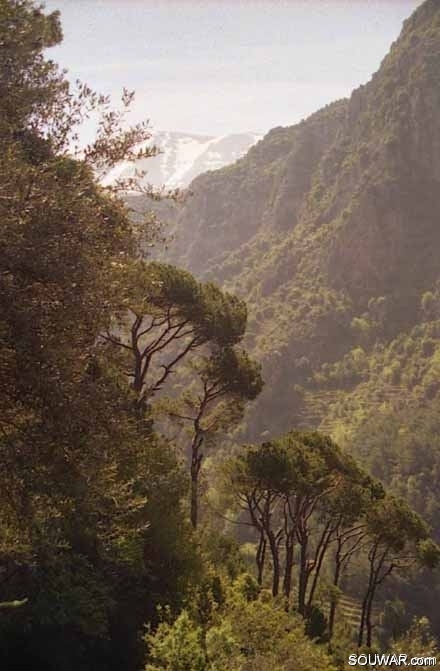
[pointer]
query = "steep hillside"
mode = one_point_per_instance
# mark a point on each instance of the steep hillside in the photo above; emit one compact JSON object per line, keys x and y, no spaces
{"x":261,"y":193}
{"x":331,"y":231}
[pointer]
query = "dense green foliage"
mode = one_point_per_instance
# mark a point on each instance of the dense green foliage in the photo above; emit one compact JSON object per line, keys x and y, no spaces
{"x":245,"y":632}
{"x":85,"y":519}
{"x":93,"y":530}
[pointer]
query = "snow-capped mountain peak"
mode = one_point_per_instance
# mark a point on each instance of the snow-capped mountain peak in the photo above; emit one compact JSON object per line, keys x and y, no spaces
{"x":183,"y":156}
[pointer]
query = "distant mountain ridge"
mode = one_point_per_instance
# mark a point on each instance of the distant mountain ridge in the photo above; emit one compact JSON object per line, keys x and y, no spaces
{"x":183,"y":157}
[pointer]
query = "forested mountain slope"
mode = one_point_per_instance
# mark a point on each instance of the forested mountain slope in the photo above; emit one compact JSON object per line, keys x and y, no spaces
{"x":330,"y":230}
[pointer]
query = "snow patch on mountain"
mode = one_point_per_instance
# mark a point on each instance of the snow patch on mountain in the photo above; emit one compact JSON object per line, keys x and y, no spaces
{"x":182,"y":157}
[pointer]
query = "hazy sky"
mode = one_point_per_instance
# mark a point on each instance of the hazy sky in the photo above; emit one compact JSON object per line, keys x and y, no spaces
{"x":223,"y":66}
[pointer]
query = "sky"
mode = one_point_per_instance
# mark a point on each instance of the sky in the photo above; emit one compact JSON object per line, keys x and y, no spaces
{"x":216,"y":67}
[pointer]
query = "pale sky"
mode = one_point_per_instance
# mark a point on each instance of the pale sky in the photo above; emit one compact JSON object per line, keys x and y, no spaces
{"x":225,"y":66}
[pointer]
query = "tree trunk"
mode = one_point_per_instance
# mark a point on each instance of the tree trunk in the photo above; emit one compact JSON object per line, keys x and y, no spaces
{"x":332,"y":613}
{"x":194,"y":499}
{"x":366,"y":603}
{"x":320,"y":553}
{"x":368,"y":621}
{"x":196,"y":462}
{"x":363,"y":617}
{"x":288,"y":568}
{"x":260,"y":557}
{"x":276,"y":563}
{"x":303,"y":576}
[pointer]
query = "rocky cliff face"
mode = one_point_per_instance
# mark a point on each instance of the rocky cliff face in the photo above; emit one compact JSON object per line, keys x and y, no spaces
{"x":331,"y":228}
